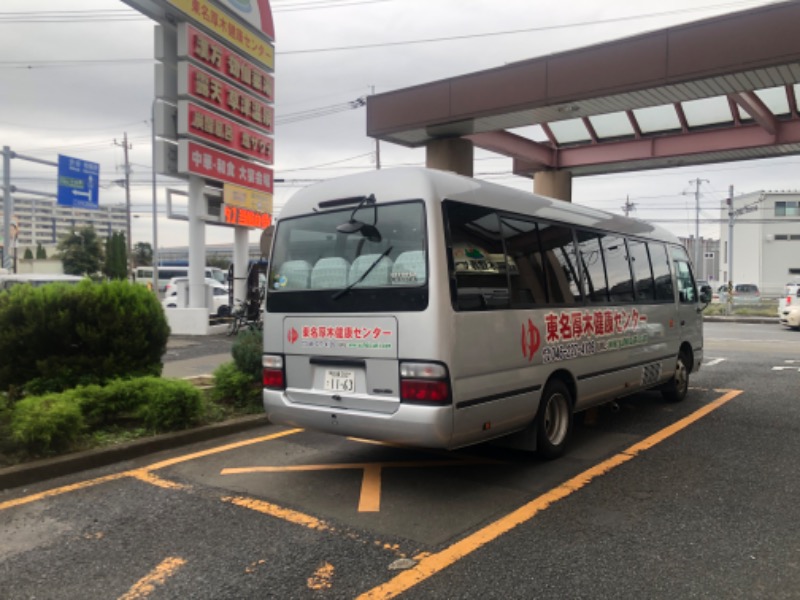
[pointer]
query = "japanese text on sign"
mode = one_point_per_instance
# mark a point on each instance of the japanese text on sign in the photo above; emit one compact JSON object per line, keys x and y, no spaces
{"x":574,"y":325}
{"x":225,"y":97}
{"x":215,"y":128}
{"x":227,"y":28}
{"x":207,"y":162}
{"x":227,"y":63}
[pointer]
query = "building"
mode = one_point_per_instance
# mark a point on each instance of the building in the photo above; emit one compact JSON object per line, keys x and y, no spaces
{"x":708,"y":268}
{"x":766,"y":240}
{"x":42,"y":221}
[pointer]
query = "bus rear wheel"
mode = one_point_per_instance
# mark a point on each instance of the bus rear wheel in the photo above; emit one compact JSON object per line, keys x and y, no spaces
{"x":678,"y":386}
{"x":554,"y":420}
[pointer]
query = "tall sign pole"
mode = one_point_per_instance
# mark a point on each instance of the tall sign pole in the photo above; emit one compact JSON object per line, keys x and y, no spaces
{"x":8,"y":209}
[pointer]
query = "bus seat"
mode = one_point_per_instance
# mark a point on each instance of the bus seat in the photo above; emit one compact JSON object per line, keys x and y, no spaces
{"x":330,"y":273}
{"x":296,"y":273}
{"x":409,"y":268}
{"x":378,"y":276}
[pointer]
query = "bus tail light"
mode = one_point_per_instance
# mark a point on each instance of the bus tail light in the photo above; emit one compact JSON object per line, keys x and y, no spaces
{"x":424,"y":382}
{"x":272,"y":374}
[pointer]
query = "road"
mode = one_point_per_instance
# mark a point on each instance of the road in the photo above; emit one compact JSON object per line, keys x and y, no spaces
{"x":653,"y":500}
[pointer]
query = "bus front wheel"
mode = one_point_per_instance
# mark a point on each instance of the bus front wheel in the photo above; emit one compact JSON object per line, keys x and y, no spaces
{"x":554,"y":421}
{"x":678,"y":386}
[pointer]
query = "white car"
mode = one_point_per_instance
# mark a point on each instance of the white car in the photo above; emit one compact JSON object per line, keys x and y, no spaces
{"x":790,"y":298}
{"x":220,"y":306}
{"x":172,"y":285}
{"x":790,"y":316}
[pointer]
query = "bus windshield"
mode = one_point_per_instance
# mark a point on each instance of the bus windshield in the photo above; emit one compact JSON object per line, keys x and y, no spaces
{"x":372,"y":258}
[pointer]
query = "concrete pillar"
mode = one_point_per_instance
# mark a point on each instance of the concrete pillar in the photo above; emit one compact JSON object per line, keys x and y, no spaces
{"x":450,"y":154}
{"x":197,"y":243}
{"x":241,"y":256}
{"x":554,"y":184}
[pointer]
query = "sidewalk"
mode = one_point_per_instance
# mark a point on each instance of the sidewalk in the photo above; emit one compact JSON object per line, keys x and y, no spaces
{"x":193,"y":356}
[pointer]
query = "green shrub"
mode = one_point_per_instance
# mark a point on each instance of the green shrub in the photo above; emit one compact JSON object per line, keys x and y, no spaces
{"x":247,"y":349}
{"x":171,"y":404}
{"x":58,"y":336}
{"x":110,"y":405}
{"x":50,"y":423}
{"x":235,"y":388}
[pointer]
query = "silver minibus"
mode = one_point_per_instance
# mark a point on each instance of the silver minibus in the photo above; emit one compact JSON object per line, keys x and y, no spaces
{"x":423,"y":308}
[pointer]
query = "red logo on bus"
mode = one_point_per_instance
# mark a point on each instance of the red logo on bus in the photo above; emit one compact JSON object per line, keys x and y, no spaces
{"x":531,"y":340}
{"x":292,"y":335}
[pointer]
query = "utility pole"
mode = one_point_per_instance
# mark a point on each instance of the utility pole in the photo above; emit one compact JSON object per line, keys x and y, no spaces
{"x":697,"y":183}
{"x":377,"y":141}
{"x":126,"y":147}
{"x":731,"y":216}
{"x":629,"y":206}
{"x":8,"y":209}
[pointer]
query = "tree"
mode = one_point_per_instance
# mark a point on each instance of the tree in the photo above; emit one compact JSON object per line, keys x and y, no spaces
{"x":116,"y":265}
{"x":28,"y":254}
{"x":81,"y":252}
{"x":143,"y":254}
{"x":40,"y":252}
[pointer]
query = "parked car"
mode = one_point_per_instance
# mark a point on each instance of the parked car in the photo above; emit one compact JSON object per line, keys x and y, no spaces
{"x":790,"y":316}
{"x":790,"y":298}
{"x":743,"y":293}
{"x":220,"y":306}
{"x":172,"y":285}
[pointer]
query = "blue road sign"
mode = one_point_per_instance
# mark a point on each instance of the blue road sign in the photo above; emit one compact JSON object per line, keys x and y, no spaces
{"x":78,"y":182}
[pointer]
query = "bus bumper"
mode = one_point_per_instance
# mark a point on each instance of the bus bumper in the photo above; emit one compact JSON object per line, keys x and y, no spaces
{"x":410,"y":425}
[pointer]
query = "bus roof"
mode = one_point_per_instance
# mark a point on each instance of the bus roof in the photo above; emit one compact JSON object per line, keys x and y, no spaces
{"x":404,"y":183}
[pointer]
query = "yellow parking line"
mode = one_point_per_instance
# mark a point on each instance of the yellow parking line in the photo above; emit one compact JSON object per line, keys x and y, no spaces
{"x":147,"y":585}
{"x":273,"y":510}
{"x":437,"y":562}
{"x":370,"y":498}
{"x":141,"y":471}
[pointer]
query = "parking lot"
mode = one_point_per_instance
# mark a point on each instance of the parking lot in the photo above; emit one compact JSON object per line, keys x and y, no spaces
{"x":652,"y":500}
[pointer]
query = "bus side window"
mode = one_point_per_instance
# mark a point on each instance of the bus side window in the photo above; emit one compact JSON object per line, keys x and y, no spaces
{"x":662,"y":275}
{"x":560,"y":264}
{"x":683,"y":276}
{"x":644,"y":288}
{"x":594,"y":273}
{"x":618,"y":270}
{"x":480,"y":266}
{"x":527,"y":279}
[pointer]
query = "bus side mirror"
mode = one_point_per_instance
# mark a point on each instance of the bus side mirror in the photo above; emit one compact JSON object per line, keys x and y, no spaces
{"x":705,"y":294}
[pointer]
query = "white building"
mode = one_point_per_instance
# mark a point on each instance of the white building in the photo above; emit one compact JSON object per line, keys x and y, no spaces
{"x":43,"y":221}
{"x":766,"y":240}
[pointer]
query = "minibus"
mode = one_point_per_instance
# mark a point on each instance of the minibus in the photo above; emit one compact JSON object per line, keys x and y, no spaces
{"x":423,"y":308}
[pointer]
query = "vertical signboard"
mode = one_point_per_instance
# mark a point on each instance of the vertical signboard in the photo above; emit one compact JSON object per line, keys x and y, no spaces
{"x":78,"y":182}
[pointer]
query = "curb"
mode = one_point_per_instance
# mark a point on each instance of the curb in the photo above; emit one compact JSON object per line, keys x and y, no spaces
{"x":41,"y":470}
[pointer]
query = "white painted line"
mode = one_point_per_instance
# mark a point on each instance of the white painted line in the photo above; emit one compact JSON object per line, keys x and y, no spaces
{"x":713,"y":361}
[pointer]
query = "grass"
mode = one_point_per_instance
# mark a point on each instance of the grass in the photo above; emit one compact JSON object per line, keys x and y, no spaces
{"x":763,"y":309}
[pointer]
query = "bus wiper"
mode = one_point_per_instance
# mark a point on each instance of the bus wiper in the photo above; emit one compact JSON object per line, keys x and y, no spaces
{"x":353,"y":225}
{"x":374,"y":264}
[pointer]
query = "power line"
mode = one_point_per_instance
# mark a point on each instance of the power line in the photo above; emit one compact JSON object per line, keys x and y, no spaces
{"x":512,"y":31}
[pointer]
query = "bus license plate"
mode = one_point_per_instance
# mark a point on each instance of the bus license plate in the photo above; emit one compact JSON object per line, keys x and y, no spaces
{"x":339,"y":380}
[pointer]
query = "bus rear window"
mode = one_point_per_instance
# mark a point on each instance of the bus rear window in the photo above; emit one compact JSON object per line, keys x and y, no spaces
{"x":317,"y":253}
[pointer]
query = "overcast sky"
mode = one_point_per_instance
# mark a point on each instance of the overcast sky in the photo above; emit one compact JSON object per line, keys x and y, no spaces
{"x":76,"y":75}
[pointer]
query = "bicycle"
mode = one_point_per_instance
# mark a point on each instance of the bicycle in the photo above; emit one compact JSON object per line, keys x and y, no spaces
{"x":238,"y":318}
{"x":243,"y":316}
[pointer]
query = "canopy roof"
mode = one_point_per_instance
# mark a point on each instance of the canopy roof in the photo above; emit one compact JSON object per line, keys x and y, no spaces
{"x":716,"y":90}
